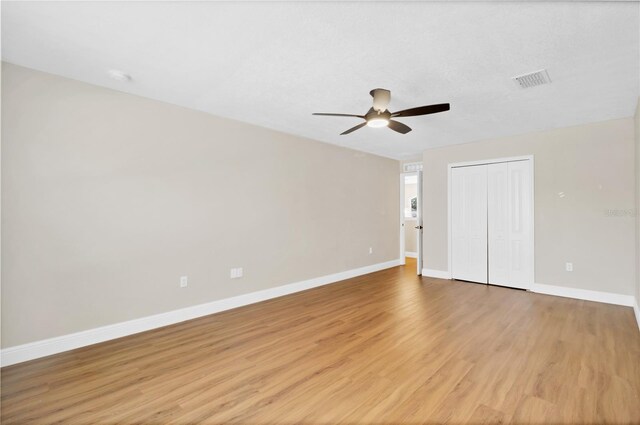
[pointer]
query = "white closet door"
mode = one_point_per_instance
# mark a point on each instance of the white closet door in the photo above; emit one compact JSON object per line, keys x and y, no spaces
{"x":469,"y":223}
{"x":498,"y":207}
{"x":510,"y":224}
{"x":520,"y":225}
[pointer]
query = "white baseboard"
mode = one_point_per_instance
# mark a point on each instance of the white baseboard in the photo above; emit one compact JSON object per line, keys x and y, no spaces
{"x":411,"y":254}
{"x":436,"y":273}
{"x":636,"y":309}
{"x":584,"y":294}
{"x":47,"y":347}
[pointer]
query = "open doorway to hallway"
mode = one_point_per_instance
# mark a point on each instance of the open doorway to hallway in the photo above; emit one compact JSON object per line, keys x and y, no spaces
{"x":410,"y":214}
{"x":411,"y":218}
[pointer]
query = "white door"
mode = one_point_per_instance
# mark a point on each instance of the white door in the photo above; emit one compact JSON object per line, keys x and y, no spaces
{"x":510,"y":224}
{"x":469,"y":223}
{"x":419,"y":224}
{"x":498,"y":210}
{"x":520,"y":224}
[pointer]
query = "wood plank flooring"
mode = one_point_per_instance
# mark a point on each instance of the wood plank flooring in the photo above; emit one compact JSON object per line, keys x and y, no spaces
{"x":386,"y":348}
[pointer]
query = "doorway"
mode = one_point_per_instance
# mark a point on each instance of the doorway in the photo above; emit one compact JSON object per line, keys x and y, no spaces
{"x":411,"y":218}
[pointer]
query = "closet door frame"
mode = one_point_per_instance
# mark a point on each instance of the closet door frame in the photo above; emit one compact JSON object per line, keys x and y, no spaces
{"x":486,"y":162}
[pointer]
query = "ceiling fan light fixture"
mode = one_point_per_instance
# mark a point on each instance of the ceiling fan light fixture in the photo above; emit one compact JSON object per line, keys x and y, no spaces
{"x":377,"y":122}
{"x":380,"y":116}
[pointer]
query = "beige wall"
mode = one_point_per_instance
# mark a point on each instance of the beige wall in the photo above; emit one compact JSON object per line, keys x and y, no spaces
{"x":410,"y":191}
{"x":594,"y":166}
{"x":410,"y":236}
{"x":109,"y":198}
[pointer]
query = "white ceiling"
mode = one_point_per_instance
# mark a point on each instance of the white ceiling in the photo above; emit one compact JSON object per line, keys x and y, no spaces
{"x":274,"y":63}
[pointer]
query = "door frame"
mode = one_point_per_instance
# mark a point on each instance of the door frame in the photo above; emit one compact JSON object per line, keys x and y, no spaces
{"x":486,"y":162}
{"x":402,"y":219}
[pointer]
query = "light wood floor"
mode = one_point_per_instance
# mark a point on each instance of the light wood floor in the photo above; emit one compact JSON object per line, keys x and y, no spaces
{"x":386,"y":348}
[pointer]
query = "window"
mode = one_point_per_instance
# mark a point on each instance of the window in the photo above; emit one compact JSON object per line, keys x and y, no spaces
{"x":410,"y":197}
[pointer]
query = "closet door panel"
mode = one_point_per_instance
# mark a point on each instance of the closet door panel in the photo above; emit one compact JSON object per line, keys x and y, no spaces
{"x":498,"y":221}
{"x":469,"y":223}
{"x":459,"y":234}
{"x":520,"y":225}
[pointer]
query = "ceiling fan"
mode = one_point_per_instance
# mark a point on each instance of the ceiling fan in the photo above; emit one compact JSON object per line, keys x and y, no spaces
{"x":379,"y":115}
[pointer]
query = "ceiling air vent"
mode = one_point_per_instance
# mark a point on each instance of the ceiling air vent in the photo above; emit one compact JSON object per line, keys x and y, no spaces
{"x":533,"y":79}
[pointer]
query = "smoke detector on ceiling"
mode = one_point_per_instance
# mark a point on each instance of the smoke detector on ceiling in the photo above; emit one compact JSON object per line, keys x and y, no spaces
{"x":532,"y":79}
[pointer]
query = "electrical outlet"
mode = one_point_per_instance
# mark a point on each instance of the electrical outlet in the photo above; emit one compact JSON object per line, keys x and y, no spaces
{"x":569,"y":267}
{"x":236,"y":273}
{"x":370,"y":250}
{"x":184,"y":281}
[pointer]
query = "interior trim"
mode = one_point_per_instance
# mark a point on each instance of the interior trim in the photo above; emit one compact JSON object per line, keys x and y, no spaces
{"x":584,"y":294}
{"x":440,"y":274}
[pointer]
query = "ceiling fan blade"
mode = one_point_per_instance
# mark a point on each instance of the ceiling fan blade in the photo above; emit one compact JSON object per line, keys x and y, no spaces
{"x":352,"y":129}
{"x":399,"y":127}
{"x":337,"y":115}
{"x":422,"y":110}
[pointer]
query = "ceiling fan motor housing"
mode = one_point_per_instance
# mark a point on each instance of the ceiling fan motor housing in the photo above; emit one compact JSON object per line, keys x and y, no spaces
{"x":381,"y":99}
